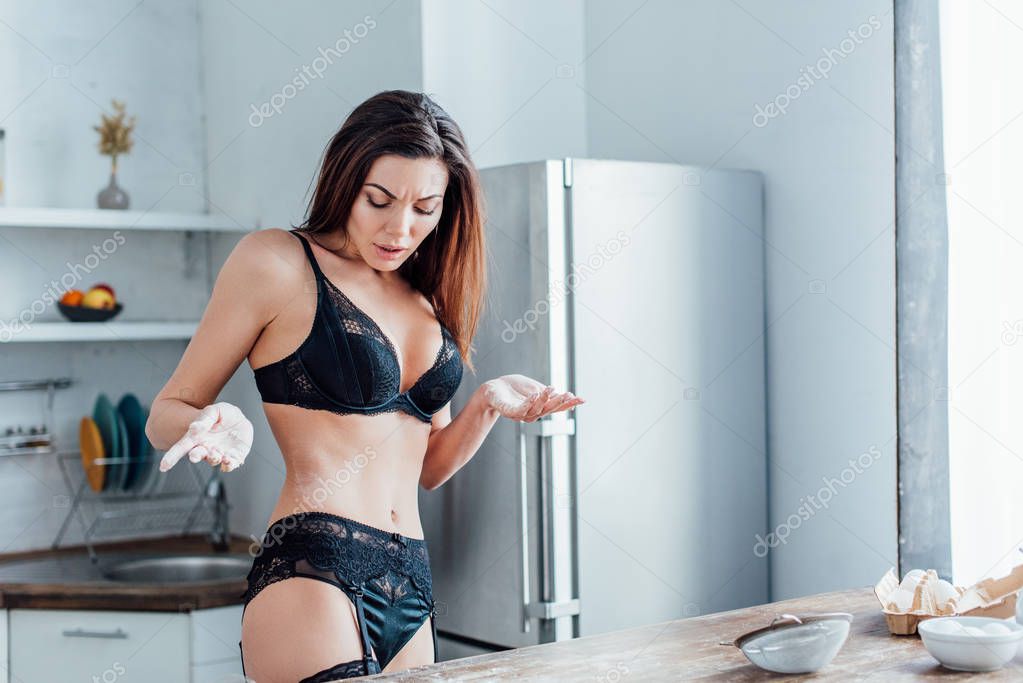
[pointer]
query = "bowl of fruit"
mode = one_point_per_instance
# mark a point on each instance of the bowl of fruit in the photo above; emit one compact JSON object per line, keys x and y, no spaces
{"x":95,"y":305}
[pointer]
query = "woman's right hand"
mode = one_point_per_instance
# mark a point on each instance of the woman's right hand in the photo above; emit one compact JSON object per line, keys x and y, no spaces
{"x":522,"y":398}
{"x":220,"y":435}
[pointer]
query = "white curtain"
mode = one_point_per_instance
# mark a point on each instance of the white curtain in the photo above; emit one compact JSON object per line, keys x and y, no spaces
{"x":982,"y":93}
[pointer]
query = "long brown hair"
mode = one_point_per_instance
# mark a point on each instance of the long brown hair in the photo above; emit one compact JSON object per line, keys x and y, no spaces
{"x":449,"y":268}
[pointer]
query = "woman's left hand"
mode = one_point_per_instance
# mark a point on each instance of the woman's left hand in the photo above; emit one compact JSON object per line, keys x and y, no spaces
{"x":520,"y":398}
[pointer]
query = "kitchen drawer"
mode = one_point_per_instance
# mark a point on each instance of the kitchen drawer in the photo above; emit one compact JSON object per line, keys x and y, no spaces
{"x":218,"y":672}
{"x":215,"y":634}
{"x":129,"y":647}
{"x":4,"y":675}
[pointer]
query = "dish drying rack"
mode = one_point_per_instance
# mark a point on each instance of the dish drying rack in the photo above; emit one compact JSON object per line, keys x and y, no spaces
{"x":202,"y":501}
{"x":33,"y":442}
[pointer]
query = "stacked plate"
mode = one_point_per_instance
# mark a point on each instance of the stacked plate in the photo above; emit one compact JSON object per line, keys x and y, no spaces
{"x":117,"y":433}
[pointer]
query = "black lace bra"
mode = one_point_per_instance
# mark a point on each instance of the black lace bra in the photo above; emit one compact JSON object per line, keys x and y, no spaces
{"x":348,"y":365}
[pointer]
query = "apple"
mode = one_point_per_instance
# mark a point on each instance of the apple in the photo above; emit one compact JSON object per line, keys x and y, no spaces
{"x":98,"y":298}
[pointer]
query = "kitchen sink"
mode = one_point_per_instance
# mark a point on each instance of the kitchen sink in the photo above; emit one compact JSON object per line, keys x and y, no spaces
{"x":180,"y":569}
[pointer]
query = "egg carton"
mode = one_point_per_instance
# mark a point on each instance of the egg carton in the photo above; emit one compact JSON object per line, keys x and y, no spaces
{"x":923,"y":595}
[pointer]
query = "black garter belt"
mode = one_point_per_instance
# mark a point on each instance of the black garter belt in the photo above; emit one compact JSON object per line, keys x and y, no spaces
{"x":385,"y":574}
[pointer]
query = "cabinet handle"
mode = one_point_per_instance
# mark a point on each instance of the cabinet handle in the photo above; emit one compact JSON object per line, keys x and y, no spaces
{"x":82,"y":633}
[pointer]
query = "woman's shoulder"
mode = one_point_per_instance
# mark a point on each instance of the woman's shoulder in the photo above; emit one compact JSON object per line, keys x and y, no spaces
{"x":273,"y":253}
{"x":271,"y":238}
{"x":266,"y":264}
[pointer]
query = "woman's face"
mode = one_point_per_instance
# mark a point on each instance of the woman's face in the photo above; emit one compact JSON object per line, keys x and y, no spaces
{"x":397,"y":207}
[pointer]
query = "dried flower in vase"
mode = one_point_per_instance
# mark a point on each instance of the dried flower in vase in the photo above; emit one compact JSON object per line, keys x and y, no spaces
{"x":115,"y":134}
{"x":114,"y":139}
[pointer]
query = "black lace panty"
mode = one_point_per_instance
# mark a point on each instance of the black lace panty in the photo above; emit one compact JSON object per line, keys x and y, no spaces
{"x":386,"y":576}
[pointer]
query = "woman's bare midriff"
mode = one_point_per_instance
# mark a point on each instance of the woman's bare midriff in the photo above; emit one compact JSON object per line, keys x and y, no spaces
{"x":364,"y":467}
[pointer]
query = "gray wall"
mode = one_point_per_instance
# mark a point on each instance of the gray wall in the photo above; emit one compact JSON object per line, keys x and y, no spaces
{"x":262,"y":166}
{"x":681,"y":81}
{"x":517,"y":98}
{"x":60,"y":65}
{"x":657,"y":80}
{"x":62,"y":62}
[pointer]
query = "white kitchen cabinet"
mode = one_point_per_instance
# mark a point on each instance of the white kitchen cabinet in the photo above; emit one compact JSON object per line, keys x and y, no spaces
{"x":219,"y":672}
{"x":215,"y":635}
{"x":127,"y":646}
{"x":64,"y":645}
{"x":5,"y":672}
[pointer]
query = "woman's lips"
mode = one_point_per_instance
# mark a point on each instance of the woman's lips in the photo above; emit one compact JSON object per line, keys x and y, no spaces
{"x":389,"y":254}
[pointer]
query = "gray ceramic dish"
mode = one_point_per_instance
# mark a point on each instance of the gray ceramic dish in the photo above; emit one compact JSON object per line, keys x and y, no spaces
{"x":793,"y":644}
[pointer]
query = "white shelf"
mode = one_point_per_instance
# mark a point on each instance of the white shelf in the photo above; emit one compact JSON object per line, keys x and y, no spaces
{"x":112,"y":331}
{"x":104,"y":219}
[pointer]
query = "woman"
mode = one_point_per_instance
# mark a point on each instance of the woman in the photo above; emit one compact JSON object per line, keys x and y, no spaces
{"x":356,"y":325}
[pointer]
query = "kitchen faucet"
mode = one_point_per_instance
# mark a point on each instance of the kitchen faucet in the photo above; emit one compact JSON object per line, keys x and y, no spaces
{"x":218,"y":536}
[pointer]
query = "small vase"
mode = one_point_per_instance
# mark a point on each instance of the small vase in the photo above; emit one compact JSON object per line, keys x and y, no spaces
{"x":112,"y":196}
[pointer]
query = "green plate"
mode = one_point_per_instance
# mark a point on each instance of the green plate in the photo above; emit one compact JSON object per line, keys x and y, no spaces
{"x":105,"y":415}
{"x":135,"y":424}
{"x":124,"y":451}
{"x":148,"y":471}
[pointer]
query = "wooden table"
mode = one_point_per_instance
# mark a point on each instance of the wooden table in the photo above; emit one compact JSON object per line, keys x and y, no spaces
{"x":687,"y":649}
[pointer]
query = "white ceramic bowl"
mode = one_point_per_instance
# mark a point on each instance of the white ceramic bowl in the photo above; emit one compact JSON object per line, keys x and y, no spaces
{"x":971,"y":643}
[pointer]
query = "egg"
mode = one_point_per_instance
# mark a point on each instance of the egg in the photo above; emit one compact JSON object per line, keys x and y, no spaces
{"x":902,"y":599}
{"x":947,"y":627}
{"x":943,"y":591}
{"x":996,"y":629}
{"x":911,"y":579}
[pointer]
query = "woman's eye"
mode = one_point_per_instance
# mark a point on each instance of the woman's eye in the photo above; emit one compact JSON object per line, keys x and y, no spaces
{"x":384,"y":206}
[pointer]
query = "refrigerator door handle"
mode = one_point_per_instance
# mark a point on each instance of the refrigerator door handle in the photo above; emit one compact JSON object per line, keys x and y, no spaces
{"x":549,"y":426}
{"x":524,"y":522}
{"x":543,"y":428}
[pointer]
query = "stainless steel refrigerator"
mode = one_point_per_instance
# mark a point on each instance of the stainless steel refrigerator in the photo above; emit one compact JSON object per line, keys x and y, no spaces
{"x":640,"y":287}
